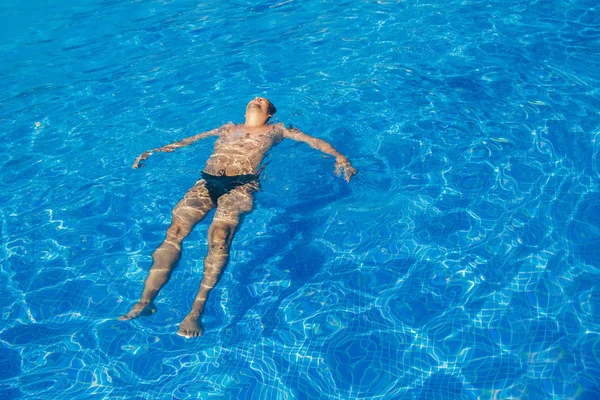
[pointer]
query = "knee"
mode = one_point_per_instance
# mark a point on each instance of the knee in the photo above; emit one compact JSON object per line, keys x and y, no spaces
{"x":178,"y":230}
{"x":219,"y":239}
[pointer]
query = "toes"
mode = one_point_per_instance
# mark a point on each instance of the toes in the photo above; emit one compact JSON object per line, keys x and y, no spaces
{"x":189,"y":334}
{"x":126,"y":317}
{"x":184,"y":334}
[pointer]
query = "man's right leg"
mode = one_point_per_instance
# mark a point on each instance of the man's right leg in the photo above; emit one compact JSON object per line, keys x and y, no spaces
{"x":187,"y":213}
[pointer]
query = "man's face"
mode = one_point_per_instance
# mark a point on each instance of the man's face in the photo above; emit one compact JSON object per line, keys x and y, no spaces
{"x":259,"y":104}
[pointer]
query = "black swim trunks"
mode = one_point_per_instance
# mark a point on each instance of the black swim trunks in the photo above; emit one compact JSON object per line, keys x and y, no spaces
{"x":219,"y":185}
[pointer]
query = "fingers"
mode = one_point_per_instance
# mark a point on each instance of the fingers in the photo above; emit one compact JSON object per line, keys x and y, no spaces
{"x":349,"y":173}
{"x":349,"y":170}
{"x":338,"y":170}
{"x":138,"y":161}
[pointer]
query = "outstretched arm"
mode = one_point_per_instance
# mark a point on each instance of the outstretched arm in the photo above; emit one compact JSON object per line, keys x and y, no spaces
{"x":171,"y":147}
{"x":341,"y":161}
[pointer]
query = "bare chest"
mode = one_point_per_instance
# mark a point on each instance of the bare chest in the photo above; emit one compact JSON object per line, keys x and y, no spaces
{"x":241,"y":140}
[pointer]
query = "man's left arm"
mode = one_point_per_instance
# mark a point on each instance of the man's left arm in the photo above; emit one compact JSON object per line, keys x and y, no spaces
{"x":341,"y":161}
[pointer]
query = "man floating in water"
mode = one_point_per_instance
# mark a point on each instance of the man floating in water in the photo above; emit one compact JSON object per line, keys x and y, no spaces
{"x":229,"y":181}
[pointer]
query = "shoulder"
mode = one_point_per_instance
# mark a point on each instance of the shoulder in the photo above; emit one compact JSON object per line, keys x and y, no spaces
{"x":228,"y":127}
{"x":277,"y":128}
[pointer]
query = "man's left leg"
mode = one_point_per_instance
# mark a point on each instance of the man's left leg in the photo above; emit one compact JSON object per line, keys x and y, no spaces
{"x":230,"y":207}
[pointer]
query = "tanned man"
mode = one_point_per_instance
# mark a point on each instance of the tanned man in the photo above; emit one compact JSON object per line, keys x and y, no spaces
{"x":229,"y":181}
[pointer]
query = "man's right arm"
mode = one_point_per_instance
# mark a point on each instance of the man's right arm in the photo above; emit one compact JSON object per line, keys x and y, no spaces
{"x":185,"y":142}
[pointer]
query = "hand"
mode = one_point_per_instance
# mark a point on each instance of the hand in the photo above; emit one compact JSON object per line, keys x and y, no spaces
{"x":138,"y":161}
{"x":344,"y":163}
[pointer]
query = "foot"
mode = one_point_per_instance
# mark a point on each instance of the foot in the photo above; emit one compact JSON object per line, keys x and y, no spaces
{"x":190,"y":327}
{"x":141,"y":309}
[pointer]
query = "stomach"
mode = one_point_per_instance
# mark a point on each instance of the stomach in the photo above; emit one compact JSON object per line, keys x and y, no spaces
{"x":231,"y":165}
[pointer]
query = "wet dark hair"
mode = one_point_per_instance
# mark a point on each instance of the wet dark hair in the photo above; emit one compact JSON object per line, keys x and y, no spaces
{"x":272,"y":108}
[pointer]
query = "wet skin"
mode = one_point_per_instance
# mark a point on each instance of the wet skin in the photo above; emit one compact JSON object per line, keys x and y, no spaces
{"x":238,"y":151}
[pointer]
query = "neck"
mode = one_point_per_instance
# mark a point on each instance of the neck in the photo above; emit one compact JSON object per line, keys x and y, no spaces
{"x":252,"y":122}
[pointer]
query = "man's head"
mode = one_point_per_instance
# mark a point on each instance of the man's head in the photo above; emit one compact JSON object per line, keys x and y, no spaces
{"x":260,"y":109}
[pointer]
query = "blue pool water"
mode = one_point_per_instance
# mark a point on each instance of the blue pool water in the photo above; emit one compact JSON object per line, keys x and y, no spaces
{"x":461,"y":262}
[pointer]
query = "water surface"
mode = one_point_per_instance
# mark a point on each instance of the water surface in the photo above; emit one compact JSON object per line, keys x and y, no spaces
{"x":462,"y":261}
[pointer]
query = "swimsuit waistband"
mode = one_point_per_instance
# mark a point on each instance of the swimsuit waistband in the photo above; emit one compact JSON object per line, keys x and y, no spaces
{"x":231,"y":178}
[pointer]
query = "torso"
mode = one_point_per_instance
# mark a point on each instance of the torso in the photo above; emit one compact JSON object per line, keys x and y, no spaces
{"x":240,"y":150}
